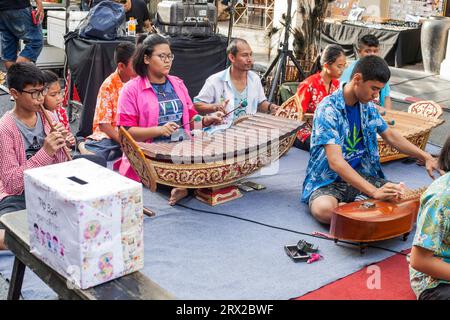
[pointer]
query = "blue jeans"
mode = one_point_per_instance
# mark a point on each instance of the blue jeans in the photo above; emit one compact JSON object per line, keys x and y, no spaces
{"x":18,"y":25}
{"x":11,"y":204}
{"x":107,"y":148}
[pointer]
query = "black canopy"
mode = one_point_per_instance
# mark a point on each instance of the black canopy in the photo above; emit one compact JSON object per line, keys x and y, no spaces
{"x":91,"y":61}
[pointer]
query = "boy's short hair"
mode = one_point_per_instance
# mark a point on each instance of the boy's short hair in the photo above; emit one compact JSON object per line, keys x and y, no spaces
{"x":368,"y":40}
{"x":50,"y":77}
{"x":22,"y":74}
{"x":372,"y":68}
{"x":124,"y":52}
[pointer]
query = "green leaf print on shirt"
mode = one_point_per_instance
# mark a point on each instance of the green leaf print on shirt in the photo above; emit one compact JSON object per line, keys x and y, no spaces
{"x":352,"y":142}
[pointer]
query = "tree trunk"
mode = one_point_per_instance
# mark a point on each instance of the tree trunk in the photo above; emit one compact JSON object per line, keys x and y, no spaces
{"x":311,"y":15}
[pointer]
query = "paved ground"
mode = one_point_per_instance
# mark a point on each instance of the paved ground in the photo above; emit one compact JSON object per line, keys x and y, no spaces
{"x":406,"y":83}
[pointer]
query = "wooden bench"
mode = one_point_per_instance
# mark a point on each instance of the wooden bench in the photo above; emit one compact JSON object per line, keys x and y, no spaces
{"x":135,"y":286}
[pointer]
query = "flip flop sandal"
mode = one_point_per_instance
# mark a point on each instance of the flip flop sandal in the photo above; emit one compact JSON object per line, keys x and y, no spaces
{"x":307,"y":247}
{"x":295,"y":254}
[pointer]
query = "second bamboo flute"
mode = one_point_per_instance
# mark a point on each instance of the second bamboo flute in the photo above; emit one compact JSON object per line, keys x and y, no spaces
{"x":52,"y":128}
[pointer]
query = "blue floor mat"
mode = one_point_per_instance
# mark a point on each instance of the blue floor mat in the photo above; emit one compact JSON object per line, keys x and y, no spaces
{"x":197,"y":255}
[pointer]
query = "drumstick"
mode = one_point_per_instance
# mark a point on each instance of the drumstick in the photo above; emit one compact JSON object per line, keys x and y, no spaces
{"x":195,"y":118}
{"x":149,"y":212}
{"x":242,"y":104}
{"x":390,"y":121}
{"x":52,"y":128}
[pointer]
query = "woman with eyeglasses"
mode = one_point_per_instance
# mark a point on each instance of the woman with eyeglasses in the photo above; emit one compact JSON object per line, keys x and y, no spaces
{"x":316,"y":87}
{"x":155,"y":105}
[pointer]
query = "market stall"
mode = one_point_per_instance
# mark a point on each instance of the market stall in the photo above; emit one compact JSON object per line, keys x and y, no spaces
{"x":396,"y":23}
{"x":398,"y":46}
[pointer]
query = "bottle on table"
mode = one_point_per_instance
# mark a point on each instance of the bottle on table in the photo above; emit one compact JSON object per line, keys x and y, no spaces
{"x":131,"y":25}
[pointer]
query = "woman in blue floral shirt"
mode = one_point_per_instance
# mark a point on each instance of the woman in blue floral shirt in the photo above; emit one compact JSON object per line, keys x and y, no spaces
{"x":430,"y":256}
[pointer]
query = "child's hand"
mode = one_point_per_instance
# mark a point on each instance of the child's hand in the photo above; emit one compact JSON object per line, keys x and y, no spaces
{"x":61,"y":129}
{"x":53,"y":142}
{"x":70,"y":140}
{"x":167,"y":129}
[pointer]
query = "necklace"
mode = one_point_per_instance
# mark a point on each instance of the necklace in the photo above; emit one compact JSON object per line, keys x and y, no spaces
{"x":160,"y":88}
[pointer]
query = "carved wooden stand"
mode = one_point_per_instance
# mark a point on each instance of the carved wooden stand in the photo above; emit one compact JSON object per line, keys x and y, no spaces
{"x":216,"y":196}
{"x":415,"y":125}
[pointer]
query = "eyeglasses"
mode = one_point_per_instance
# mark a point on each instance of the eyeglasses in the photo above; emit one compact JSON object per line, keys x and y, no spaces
{"x":164,"y":56}
{"x":36,"y":93}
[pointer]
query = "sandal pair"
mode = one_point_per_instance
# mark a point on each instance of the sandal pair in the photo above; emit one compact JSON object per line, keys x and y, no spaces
{"x":301,"y":252}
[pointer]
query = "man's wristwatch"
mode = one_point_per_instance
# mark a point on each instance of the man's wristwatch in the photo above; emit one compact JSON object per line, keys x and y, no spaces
{"x":269,"y":108}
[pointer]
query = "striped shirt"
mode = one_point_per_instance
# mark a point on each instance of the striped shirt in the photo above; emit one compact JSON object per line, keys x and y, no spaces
{"x":14,"y":161}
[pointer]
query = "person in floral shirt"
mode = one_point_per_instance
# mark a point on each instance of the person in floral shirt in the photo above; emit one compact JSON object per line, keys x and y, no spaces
{"x":344,"y":162}
{"x":104,"y":140}
{"x":430,"y":255}
{"x":316,"y":87}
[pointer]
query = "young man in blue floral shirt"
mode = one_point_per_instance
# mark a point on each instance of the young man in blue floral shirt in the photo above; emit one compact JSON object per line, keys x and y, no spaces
{"x":344,"y":162}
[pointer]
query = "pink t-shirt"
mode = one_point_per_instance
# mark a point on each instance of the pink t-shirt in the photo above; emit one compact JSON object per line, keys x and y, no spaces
{"x":138,"y":107}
